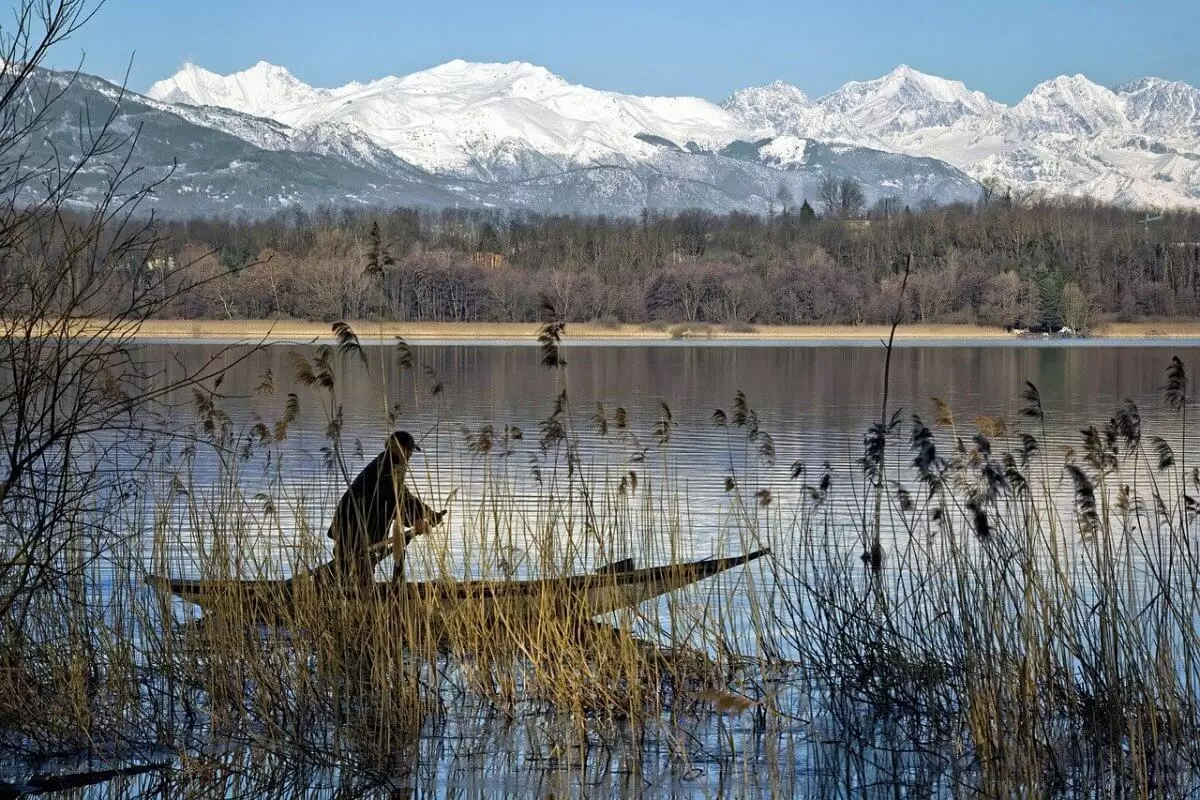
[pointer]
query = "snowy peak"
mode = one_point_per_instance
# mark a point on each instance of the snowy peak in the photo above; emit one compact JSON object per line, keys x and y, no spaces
{"x":906,"y":100}
{"x":776,"y":106}
{"x":1163,"y":108}
{"x":264,"y":89}
{"x":1072,"y":104}
{"x":188,"y":85}
{"x":480,"y":119}
{"x":513,"y":79}
{"x":913,"y":84}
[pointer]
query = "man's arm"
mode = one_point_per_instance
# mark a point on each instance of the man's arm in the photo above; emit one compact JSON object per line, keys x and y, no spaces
{"x":417,"y":515}
{"x":419,"y":518}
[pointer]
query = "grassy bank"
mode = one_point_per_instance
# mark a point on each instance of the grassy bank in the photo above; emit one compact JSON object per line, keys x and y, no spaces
{"x":293,"y":330}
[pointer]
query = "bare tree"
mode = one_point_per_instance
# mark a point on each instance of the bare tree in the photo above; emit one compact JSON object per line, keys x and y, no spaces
{"x":1076,"y":307}
{"x":932,"y":291}
{"x":79,"y":397}
{"x":511,"y":296}
{"x":829,"y":195}
{"x":568,"y":291}
{"x":738,"y":295}
{"x":851,"y":198}
{"x":631,"y":270}
{"x":1007,"y":300}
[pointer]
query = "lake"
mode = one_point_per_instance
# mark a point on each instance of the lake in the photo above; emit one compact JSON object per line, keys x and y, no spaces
{"x":642,"y":471}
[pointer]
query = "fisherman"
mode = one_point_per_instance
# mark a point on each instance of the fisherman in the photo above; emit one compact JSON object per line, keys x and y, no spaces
{"x":367,"y":510}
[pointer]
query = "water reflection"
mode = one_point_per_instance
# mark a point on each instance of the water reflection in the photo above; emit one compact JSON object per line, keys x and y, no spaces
{"x":836,"y":388}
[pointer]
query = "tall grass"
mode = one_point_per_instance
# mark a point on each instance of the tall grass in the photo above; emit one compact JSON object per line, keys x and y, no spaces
{"x":962,"y":611}
{"x":998,"y":637}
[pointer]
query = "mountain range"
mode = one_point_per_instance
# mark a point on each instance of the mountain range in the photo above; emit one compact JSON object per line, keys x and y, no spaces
{"x":1137,"y":145}
{"x":515,"y":135}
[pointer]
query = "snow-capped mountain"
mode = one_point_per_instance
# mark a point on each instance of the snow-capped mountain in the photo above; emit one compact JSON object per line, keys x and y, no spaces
{"x":260,"y":90}
{"x":900,"y":102}
{"x":209,"y":160}
{"x":1170,"y":109}
{"x":500,"y":123}
{"x":515,"y":134}
{"x":482,"y":120}
{"x":1136,"y":145}
{"x":775,"y":107}
{"x":1071,"y":105}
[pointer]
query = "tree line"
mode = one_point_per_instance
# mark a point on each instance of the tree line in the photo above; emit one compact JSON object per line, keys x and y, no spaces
{"x":999,"y":262}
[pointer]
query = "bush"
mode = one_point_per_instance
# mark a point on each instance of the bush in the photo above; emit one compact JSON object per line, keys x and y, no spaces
{"x":690,"y":329}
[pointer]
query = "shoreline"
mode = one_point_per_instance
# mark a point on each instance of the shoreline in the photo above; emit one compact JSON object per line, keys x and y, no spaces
{"x":374,"y":333}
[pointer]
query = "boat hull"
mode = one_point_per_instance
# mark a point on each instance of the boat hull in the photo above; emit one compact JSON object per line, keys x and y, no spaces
{"x":443,"y":603}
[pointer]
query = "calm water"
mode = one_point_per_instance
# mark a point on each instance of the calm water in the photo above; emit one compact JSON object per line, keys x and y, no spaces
{"x":815,"y":402}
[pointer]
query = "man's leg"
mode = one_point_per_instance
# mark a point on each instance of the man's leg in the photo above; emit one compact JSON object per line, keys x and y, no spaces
{"x":400,"y":540}
{"x":351,"y":561}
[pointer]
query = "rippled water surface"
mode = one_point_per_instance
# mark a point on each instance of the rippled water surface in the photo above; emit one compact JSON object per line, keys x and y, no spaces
{"x":816,"y":403}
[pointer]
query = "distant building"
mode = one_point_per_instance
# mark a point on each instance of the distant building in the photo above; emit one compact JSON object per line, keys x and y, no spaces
{"x":489,"y":260}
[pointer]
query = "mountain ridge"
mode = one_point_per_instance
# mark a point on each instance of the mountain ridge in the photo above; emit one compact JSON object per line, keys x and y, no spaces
{"x":498,"y":121}
{"x":207,"y":160}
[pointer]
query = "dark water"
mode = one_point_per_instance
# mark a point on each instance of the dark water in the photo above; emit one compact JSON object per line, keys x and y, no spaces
{"x":836,"y":388}
{"x":799,"y":391}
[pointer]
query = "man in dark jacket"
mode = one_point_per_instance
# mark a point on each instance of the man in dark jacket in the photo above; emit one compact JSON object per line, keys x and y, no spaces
{"x":367,"y":510}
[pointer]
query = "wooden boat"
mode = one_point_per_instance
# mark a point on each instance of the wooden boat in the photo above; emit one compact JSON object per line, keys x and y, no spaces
{"x":441,"y":602}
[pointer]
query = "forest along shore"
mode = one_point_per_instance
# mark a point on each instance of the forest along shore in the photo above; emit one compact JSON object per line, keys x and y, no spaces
{"x":372,"y":331}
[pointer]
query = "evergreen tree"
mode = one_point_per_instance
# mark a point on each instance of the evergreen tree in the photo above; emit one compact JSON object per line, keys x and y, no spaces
{"x":1040,"y":263}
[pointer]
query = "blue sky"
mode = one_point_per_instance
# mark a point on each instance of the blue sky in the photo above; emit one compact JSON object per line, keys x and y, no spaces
{"x":699,"y":48}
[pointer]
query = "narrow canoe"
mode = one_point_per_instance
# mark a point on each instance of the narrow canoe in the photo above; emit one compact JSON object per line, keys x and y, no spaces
{"x":583,"y":595}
